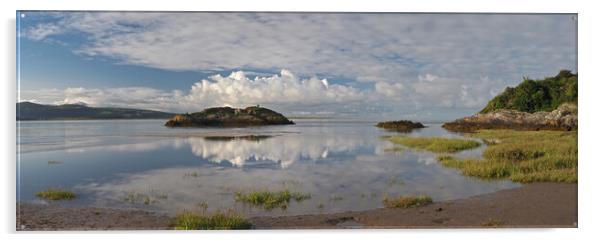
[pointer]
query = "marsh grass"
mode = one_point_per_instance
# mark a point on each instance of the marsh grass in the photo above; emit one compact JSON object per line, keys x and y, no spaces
{"x":407,"y":202}
{"x":147,"y":199}
{"x":203,"y":205}
{"x":215,"y":221}
{"x":491,"y":222}
{"x":54,"y":162}
{"x":435,"y":144}
{"x":191,"y":174}
{"x":270,"y":199}
{"x":523,"y":156}
{"x":56,"y":194}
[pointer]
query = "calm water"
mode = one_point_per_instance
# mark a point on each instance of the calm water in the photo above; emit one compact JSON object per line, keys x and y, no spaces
{"x":342,"y":164}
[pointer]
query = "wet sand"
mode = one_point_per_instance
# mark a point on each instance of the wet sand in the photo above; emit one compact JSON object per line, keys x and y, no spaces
{"x":532,"y":205}
{"x":541,"y":205}
{"x":54,"y":217}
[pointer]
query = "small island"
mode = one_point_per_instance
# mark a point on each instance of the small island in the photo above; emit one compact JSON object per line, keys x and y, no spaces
{"x":229,"y":117}
{"x":400,"y":126}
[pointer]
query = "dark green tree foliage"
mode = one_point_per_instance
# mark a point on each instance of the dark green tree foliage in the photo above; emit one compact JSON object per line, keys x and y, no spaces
{"x":537,"y":95}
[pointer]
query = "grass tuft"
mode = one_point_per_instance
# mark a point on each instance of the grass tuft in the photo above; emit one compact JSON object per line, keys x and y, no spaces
{"x":491,"y":222}
{"x":407,"y":202}
{"x":271,"y":199}
{"x":216,"y":221}
{"x":435,"y":144}
{"x":523,"y":156}
{"x":56,"y":194}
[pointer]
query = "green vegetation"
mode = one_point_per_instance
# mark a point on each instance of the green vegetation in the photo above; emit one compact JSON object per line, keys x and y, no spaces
{"x":491,"y":222}
{"x":203,"y":205}
{"x":400,"y":126}
{"x":271,"y":199}
{"x":54,"y":162}
{"x":191,"y":174}
{"x":218,"y":221}
{"x":435,"y":144}
{"x":146,"y":199}
{"x":537,"y":95}
{"x":407,"y":202}
{"x":523,"y":156}
{"x":56,"y":194}
{"x":34,"y":111}
{"x":229,"y":117}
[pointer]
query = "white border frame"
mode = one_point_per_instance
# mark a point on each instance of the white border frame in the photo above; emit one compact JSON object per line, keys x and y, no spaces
{"x":589,"y":54}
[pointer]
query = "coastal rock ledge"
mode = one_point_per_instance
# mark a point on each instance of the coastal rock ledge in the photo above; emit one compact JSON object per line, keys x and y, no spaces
{"x":563,"y":118}
{"x":229,"y":117}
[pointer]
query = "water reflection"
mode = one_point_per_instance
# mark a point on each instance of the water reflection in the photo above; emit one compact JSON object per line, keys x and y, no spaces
{"x":282,"y":150}
{"x":344,"y":166}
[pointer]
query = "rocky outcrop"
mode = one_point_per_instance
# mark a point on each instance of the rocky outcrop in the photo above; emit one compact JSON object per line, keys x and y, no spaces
{"x":563,"y":118}
{"x":400,"y":126}
{"x":229,"y":117}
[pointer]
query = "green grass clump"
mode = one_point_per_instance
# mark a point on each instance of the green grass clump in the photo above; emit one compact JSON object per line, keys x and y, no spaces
{"x":271,"y":199}
{"x":523,"y":156}
{"x":407,"y":202}
{"x":492,"y":222}
{"x":216,"y":221}
{"x":56,"y":194}
{"x":435,"y":144}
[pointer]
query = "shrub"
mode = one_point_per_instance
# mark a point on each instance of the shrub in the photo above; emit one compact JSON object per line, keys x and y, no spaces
{"x":537,"y":95}
{"x":407,"y":202}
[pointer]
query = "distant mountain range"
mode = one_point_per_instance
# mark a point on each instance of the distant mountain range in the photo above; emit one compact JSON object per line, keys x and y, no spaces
{"x":34,"y":111}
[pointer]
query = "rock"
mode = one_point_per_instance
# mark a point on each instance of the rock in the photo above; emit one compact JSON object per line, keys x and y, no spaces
{"x":400,"y":126}
{"x":229,"y":117}
{"x":563,"y":118}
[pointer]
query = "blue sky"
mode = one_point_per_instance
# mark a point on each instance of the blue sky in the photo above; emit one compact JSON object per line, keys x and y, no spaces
{"x":416,"y":66}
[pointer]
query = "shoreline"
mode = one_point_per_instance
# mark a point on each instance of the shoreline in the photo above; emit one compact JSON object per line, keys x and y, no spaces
{"x":535,"y":205}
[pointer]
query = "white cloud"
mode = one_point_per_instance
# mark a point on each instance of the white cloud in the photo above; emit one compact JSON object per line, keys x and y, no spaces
{"x":287,"y":93}
{"x":364,"y":47}
{"x":389,"y":90}
{"x":233,"y":90}
{"x":236,"y":90}
{"x":403,"y":62}
{"x":43,"y":31}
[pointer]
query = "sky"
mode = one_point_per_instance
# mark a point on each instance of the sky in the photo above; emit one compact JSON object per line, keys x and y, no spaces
{"x":426,"y":67}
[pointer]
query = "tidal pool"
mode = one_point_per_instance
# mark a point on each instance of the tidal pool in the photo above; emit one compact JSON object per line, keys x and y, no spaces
{"x":343,"y":164}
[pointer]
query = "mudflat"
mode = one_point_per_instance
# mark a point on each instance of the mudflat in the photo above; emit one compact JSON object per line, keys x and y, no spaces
{"x":540,"y":205}
{"x":53,"y":217}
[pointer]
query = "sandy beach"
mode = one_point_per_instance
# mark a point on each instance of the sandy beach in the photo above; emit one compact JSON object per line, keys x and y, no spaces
{"x":537,"y":205}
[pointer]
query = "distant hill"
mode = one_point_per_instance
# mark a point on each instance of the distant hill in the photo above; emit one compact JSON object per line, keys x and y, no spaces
{"x":229,"y":117}
{"x":537,"y":95}
{"x":34,"y":111}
